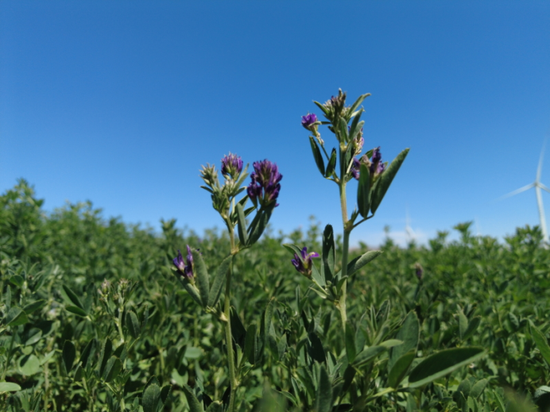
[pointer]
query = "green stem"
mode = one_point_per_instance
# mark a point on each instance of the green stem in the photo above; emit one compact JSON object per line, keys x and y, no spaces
{"x":229,"y":343}
{"x":227,"y":319}
{"x":344,"y":270}
{"x":118,"y":322}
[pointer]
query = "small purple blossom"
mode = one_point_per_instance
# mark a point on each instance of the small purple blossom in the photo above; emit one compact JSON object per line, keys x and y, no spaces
{"x":376,"y":165}
{"x":232,"y":165}
{"x":419,"y":271}
{"x":303,"y":263}
{"x":309,"y":120}
{"x":185,"y":270}
{"x":265,"y":184}
{"x":355,"y":167}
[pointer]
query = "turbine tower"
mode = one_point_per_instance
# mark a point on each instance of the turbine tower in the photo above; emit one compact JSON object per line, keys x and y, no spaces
{"x":538,"y":186}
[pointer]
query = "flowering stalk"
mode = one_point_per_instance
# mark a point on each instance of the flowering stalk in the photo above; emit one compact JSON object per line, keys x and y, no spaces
{"x":263,"y":191}
{"x":344,"y":122}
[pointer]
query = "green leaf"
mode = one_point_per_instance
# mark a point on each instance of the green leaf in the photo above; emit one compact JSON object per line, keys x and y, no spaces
{"x":164,"y":392}
{"x":241,"y":225}
{"x":72,"y":296}
{"x":29,"y":365}
{"x":356,"y":125}
{"x":443,"y":363}
{"x":472,"y":327}
{"x":409,"y":333}
{"x":462,"y":324}
{"x":316,"y":350}
{"x":363,"y":190}
{"x":132,"y":323}
{"x":400,"y":368}
{"x":47,"y":357}
{"x":35,"y":335}
{"x":317,"y":155}
{"x":250,"y":344}
{"x":150,"y":398}
{"x":106,"y":353}
{"x":69,"y":355}
{"x":78,"y":372}
{"x":201,"y":276}
{"x":321,"y":106}
{"x":219,"y":280}
{"x":362,"y":260}
{"x":192,"y":401}
{"x":17,"y":280}
{"x":258,"y":225}
{"x":112,"y":369}
{"x":328,"y":253}
{"x":34,"y":306}
{"x":292,"y":248}
{"x":359,"y":100}
{"x":88,"y":350}
{"x":323,"y":398}
{"x":191,"y":289}
{"x":369,"y":354}
{"x":350,"y":342}
{"x":342,"y":129}
{"x":331,"y":164}
{"x":541,"y":342}
{"x":9,"y":387}
{"x":77,"y":311}
{"x":16,"y":317}
{"x":385,"y":180}
{"x":478,"y":388}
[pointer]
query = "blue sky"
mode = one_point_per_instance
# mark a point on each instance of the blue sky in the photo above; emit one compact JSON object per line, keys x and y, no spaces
{"x":122,"y":102}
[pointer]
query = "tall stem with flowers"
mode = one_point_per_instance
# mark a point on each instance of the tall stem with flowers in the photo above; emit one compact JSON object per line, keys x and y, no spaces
{"x":345,"y":162}
{"x":263,"y":191}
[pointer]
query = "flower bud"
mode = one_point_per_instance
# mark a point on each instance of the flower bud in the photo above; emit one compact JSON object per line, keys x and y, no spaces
{"x":186,"y":270}
{"x":232,"y":165}
{"x":265,"y":185}
{"x":418,"y":271}
{"x":303,"y":263}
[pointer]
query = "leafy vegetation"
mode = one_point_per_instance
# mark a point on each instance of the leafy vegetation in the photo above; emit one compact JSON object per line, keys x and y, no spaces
{"x":94,"y":319}
{"x":99,"y":315}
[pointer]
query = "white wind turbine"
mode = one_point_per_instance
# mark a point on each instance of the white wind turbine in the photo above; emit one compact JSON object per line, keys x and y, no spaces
{"x":538,"y":186}
{"x":408,"y":229}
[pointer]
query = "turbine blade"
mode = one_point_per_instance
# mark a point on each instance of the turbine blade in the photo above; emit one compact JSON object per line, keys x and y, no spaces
{"x":543,"y":187}
{"x":515,"y":192}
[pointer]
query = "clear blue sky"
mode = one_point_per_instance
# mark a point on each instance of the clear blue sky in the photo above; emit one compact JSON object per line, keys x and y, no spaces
{"x":121,"y":102}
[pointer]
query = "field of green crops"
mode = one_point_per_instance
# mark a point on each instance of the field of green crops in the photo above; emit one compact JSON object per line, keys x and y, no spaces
{"x":94,"y":318}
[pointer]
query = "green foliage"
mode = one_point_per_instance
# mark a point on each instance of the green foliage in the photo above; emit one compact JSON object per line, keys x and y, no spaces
{"x":92,"y":318}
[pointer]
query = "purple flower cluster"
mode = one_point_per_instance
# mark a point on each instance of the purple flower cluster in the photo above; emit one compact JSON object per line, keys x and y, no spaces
{"x":232,"y":165}
{"x":184,"y":269}
{"x":309,"y":120}
{"x":376,"y":166}
{"x":265,"y":184}
{"x":303,"y":263}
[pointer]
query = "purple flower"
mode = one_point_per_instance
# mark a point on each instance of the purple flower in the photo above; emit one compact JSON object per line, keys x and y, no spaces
{"x":355,"y":167}
{"x":183,"y":268}
{"x":303,"y":263}
{"x":419,"y":271}
{"x":265,"y":184}
{"x":308,"y":121}
{"x":376,"y":165}
{"x":232,"y":165}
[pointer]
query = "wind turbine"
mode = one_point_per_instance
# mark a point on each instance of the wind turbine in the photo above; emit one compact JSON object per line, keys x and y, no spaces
{"x":538,"y":186}
{"x":408,"y":229}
